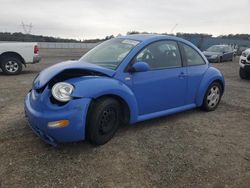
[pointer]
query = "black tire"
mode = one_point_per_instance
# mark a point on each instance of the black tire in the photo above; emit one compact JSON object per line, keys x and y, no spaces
{"x":243,"y":73}
{"x":11,"y":65}
{"x":206,"y":106}
{"x":103,"y":120}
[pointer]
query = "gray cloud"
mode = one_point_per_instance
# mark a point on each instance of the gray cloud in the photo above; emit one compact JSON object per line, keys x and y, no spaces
{"x":96,"y":18}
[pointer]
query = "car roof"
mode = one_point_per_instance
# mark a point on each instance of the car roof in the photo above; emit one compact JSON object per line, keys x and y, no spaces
{"x":146,"y":37}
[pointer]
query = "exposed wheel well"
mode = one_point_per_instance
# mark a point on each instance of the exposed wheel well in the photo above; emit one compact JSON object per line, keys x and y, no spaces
{"x":124,"y":106}
{"x":12,"y":54}
{"x":203,"y":94}
{"x":221,"y":84}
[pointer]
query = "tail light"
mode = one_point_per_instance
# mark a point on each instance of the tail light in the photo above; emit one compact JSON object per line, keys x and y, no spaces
{"x":36,"y":50}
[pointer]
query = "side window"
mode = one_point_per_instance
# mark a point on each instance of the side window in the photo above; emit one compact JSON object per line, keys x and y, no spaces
{"x":192,"y":56}
{"x":227,"y":49}
{"x":159,"y":55}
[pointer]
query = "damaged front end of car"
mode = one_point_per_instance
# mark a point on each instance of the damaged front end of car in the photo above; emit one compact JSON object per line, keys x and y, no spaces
{"x":54,"y":113}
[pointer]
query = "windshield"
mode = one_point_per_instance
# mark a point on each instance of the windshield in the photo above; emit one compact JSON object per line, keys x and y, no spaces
{"x":215,"y":49}
{"x":111,"y":53}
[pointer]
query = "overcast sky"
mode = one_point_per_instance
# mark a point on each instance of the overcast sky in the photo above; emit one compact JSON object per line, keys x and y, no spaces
{"x":83,"y":19}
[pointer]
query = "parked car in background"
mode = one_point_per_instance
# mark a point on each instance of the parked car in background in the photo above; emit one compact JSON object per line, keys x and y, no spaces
{"x":123,"y":80}
{"x":219,"y":53}
{"x":15,"y":55}
{"x":241,"y":49}
{"x":245,"y":64}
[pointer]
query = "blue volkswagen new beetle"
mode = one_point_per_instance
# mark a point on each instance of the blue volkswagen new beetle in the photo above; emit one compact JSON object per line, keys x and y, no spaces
{"x":123,"y":80}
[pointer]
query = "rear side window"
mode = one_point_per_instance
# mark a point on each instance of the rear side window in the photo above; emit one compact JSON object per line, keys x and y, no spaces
{"x":227,"y":49}
{"x":160,"y":55}
{"x":192,"y":56}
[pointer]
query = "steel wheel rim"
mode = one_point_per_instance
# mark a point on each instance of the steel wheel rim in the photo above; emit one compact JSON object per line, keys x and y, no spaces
{"x":213,"y":96}
{"x":11,"y":66}
{"x":107,"y":121}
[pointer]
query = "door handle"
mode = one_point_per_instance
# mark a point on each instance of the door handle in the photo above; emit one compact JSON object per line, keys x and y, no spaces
{"x":182,"y":75}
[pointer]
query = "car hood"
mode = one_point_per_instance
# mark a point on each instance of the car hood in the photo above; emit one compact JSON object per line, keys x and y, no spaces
{"x":206,"y":53}
{"x":47,"y":74}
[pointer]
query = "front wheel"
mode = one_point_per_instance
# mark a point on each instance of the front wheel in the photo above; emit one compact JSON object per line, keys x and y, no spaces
{"x":243,"y":74}
{"x":212,"y":97}
{"x":103,"y":120}
{"x":11,"y":65}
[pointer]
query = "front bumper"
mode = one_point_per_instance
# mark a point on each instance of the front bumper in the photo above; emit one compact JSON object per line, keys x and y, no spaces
{"x":39,"y":113}
{"x":213,"y":60}
{"x":246,"y":68}
{"x":244,"y":63}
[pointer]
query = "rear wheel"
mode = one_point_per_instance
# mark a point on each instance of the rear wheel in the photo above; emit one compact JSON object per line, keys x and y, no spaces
{"x":11,"y":65}
{"x":103,"y":120}
{"x":243,"y":74}
{"x":212,"y":97}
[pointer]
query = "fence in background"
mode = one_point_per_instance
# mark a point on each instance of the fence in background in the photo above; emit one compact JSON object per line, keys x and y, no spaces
{"x":60,"y":45}
{"x":204,"y":43}
{"x":201,"y":43}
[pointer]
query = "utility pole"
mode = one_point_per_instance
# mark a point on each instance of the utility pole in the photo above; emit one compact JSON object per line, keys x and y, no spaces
{"x":27,"y":28}
{"x":173,"y":28}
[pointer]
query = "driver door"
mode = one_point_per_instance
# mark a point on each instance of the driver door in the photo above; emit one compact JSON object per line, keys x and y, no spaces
{"x":164,"y":86}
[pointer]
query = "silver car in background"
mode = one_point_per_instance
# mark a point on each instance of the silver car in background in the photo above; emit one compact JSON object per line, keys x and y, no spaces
{"x":219,"y":53}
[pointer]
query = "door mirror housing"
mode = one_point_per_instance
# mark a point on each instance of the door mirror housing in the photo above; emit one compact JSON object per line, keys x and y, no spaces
{"x":140,"y":67}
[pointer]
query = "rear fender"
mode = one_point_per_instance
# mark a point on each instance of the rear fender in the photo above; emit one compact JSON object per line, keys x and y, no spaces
{"x":212,"y":74}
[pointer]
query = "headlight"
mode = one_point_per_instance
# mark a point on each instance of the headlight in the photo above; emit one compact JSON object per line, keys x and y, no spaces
{"x":62,"y":91}
{"x":244,"y":54}
{"x":214,"y":56}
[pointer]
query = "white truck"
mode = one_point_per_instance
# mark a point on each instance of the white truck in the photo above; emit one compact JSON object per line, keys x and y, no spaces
{"x":15,"y":55}
{"x":245,"y":64}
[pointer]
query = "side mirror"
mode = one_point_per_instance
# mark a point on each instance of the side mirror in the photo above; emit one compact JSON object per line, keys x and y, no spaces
{"x":140,"y":67}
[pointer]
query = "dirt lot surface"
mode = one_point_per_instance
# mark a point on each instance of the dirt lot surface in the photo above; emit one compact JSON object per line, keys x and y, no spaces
{"x":190,"y":149}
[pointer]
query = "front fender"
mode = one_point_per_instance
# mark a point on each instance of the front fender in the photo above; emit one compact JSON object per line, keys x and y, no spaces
{"x":212,"y":74}
{"x":97,"y":86}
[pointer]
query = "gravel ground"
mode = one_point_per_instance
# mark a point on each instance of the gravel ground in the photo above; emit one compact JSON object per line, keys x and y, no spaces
{"x":189,"y":149}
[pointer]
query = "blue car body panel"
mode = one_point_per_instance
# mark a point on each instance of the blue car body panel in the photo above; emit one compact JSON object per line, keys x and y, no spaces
{"x":159,"y":83}
{"x":95,"y":87}
{"x":195,"y":76}
{"x":40,"y":112}
{"x":147,"y":94}
{"x":48,"y":73}
{"x":211,"y":75}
